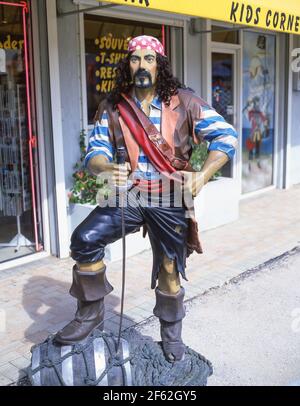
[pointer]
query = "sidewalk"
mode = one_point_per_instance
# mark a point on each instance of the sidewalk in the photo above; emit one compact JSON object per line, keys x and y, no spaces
{"x":35,"y":301}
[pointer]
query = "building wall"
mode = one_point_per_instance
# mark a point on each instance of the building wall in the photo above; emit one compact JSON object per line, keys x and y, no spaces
{"x":295,"y":133}
{"x":282,"y":110}
{"x":194,"y":57}
{"x":70,"y":82}
{"x":73,"y":110}
{"x":44,"y":125}
{"x":194,"y":52}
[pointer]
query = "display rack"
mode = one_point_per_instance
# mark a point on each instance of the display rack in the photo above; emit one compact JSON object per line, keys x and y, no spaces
{"x":15,"y":196}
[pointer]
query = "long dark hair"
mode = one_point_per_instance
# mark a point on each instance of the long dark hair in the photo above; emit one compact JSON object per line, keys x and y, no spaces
{"x":166,"y":84}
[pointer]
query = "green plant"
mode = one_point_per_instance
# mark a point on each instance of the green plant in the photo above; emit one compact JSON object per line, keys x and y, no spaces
{"x":199,"y":156}
{"x":85,"y":186}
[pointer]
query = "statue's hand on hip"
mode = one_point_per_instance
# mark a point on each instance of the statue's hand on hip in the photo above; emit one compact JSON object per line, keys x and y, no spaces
{"x":192,"y":185}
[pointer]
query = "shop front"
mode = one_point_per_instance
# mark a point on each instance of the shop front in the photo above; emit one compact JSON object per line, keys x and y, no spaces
{"x":235,"y":55}
{"x":20,"y":229}
{"x":244,"y":76}
{"x":258,"y":110}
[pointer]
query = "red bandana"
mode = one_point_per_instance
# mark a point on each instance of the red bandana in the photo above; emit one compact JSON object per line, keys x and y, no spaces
{"x":146,"y":42}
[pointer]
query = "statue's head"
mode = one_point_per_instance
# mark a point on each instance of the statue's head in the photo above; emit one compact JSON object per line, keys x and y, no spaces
{"x":143,"y":65}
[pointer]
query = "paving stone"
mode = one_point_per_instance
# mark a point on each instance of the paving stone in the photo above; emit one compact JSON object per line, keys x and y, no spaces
{"x":26,"y":355}
{"x":4,"y":381}
{"x":9,"y":356}
{"x":144,"y":313}
{"x":36,"y":300}
{"x":12,"y":372}
{"x":20,"y":363}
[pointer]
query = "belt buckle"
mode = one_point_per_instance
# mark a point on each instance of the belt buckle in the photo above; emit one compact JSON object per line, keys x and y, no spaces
{"x":179,"y":164}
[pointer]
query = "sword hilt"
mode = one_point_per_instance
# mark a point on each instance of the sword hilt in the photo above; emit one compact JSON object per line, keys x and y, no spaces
{"x":121,"y":160}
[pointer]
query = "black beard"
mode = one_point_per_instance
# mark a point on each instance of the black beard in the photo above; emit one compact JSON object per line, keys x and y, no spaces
{"x":141,"y":75}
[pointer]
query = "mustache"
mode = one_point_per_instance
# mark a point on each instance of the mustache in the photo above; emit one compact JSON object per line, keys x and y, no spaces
{"x":142,"y":73}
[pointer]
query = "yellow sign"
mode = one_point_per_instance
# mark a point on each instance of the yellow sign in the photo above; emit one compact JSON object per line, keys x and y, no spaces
{"x":278,"y":15}
{"x":8,"y":42}
{"x":111,"y":51}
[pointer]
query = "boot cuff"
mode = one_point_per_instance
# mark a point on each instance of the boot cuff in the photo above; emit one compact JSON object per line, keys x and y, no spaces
{"x":90,"y":286}
{"x":169,"y":307}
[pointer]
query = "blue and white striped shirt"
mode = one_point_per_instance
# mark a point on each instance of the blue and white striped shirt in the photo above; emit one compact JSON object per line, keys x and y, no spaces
{"x":212,"y":128}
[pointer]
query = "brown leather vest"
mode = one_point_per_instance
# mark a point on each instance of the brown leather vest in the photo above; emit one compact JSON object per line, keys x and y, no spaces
{"x":177,"y":125}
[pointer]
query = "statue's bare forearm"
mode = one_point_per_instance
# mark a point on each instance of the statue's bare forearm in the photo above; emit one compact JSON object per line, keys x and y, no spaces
{"x":194,"y":181}
{"x":117,"y":174}
{"x":214,"y":162}
{"x":98,"y":164}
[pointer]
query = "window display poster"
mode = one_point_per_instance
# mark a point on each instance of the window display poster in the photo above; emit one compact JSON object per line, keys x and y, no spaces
{"x":17,"y":230}
{"x":259,"y":63}
{"x":106,"y":43}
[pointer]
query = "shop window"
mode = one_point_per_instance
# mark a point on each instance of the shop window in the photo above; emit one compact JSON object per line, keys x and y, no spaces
{"x":223,"y":91}
{"x":259,"y":73}
{"x":223,"y":34}
{"x":106,"y":42}
{"x":18,"y":230}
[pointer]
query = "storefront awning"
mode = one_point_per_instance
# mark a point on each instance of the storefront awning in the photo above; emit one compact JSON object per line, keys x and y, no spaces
{"x":278,"y":15}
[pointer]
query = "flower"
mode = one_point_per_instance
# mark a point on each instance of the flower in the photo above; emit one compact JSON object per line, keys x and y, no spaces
{"x":84,"y":188}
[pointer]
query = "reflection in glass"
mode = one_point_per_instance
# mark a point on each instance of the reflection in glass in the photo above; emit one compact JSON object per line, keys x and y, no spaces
{"x":224,"y":34}
{"x":16,"y":225}
{"x":223,"y":92}
{"x":258,"y":111}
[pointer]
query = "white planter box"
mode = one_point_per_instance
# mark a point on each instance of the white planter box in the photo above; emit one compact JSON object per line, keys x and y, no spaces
{"x":217,"y":203}
{"x":135,"y":243}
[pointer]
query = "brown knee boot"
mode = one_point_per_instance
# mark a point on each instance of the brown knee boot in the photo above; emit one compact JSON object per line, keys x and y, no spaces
{"x":170,"y":311}
{"x":89,"y":288}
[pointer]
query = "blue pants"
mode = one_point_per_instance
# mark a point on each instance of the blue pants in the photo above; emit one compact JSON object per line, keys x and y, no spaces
{"x":166,"y":226}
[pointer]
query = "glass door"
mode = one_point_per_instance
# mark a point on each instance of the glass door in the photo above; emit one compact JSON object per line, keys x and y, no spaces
{"x":259,"y":64}
{"x":223,"y":92}
{"x":18,"y":219}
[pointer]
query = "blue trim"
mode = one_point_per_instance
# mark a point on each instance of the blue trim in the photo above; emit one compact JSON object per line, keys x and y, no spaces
{"x":100,"y":130}
{"x":207,"y":107}
{"x":100,"y":143}
{"x":221,"y":146}
{"x":95,"y":153}
{"x":218,"y":133}
{"x":104,"y":116}
{"x":137,"y":102}
{"x":145,"y":175}
{"x":206,"y":122}
{"x":143,"y":159}
{"x":155,"y":120}
{"x":156,"y":103}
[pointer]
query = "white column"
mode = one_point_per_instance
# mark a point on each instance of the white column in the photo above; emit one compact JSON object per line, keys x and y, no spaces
{"x":288,"y":154}
{"x":60,"y":189}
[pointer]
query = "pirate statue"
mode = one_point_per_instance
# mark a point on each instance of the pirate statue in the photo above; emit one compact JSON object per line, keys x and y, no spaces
{"x":157,"y":120}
